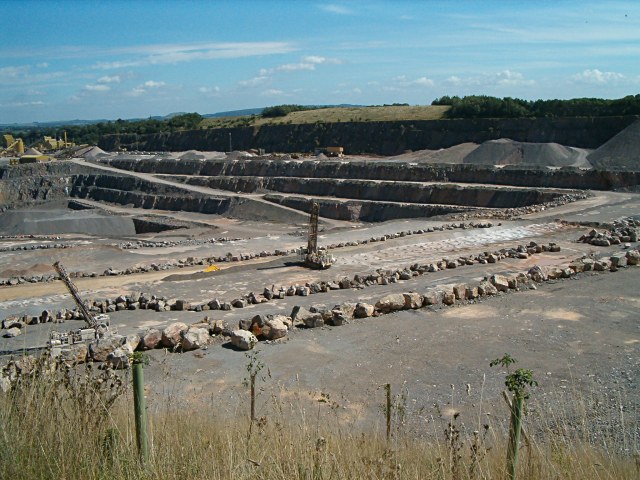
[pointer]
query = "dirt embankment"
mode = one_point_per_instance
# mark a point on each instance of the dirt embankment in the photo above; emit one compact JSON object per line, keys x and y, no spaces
{"x":382,"y":138}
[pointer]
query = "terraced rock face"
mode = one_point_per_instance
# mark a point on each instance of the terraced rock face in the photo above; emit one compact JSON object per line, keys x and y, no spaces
{"x":382,"y":138}
{"x":389,"y":171}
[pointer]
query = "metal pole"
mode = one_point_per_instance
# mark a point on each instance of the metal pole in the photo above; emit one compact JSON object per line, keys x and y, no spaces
{"x":140,"y":411}
{"x":230,"y":149}
{"x":514,"y":436}
{"x":388,"y":389}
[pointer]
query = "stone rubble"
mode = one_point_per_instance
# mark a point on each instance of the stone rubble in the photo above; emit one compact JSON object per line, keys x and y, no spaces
{"x":116,"y":350}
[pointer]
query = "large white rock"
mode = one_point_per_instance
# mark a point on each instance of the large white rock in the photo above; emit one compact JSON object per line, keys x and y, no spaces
{"x":391,"y":303}
{"x":195,"y":338}
{"x":243,"y":340}
{"x":275,"y":328}
{"x":172,"y":335}
{"x":500,"y":282}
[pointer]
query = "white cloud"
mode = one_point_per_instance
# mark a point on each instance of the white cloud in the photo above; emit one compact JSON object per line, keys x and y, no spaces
{"x":273,"y":92}
{"x":153,"y":84}
{"x":210,"y":90}
{"x":357,"y":90}
{"x":320,"y":60}
{"x":597,"y":77}
{"x":404,"y":82}
{"x":42,"y":65}
{"x":307,"y":63}
{"x":337,"y":9}
{"x":501,"y":78}
{"x":109,"y":79}
{"x":253,"y":82}
{"x":507,"y":77}
{"x":180,"y":53}
{"x":423,"y":82}
{"x":136,"y":92}
{"x":21,"y":75}
{"x":97,"y":88}
{"x":36,"y":103}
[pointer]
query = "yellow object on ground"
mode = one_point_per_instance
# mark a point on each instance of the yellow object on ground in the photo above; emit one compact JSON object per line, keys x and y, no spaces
{"x":211,"y":268}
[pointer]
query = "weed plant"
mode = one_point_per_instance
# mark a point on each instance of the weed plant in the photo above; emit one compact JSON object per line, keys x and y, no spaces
{"x":64,"y":422}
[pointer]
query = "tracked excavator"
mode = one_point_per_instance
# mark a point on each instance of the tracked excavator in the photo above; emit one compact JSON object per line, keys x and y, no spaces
{"x":313,"y":256}
{"x":97,"y":325}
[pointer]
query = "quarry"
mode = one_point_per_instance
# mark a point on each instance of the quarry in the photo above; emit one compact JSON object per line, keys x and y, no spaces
{"x":444,"y":259}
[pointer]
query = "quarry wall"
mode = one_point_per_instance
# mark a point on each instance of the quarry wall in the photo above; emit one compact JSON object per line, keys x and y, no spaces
{"x":383,"y":138}
{"x":566,"y":177}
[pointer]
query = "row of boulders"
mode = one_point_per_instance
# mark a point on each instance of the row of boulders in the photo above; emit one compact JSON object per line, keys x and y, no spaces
{"x":511,"y":213}
{"x":229,"y":257}
{"x":621,"y":231}
{"x":172,"y":243}
{"x":146,"y":301}
{"x":36,"y":246}
{"x":116,"y":350}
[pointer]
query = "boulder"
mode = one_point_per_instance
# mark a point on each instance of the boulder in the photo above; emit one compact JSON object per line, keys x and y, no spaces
{"x":338,"y":318}
{"x":500,"y":282}
{"x":537,"y":274}
{"x":347,"y":308}
{"x":460,"y":291}
{"x":433,"y":297}
{"x":101,"y":348}
{"x":172,"y":335}
{"x":239,"y":303}
{"x":633,"y":257}
{"x":413,"y":300}
{"x":243,"y":340}
{"x":216,"y":327}
{"x":275,"y":328}
{"x":363,"y":310}
{"x":131,"y":341}
{"x":449,"y":298}
{"x":554,"y":273}
{"x":471,"y":293}
{"x":487,"y":288}
{"x":11,"y":322}
{"x":619,"y":259}
{"x":74,"y":354}
{"x":12,"y":332}
{"x":391,"y":303}
{"x":181,"y":305}
{"x":151,"y":339}
{"x":195,"y":338}
{"x":119,"y":358}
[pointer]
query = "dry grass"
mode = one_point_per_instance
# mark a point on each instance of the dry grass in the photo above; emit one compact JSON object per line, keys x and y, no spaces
{"x":334,"y":115}
{"x":67,"y":425}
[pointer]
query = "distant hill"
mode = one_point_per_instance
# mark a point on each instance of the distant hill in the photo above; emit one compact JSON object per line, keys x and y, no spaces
{"x":235,"y":113}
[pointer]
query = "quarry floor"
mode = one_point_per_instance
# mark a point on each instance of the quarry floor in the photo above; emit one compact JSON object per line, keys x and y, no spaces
{"x":578,"y":334}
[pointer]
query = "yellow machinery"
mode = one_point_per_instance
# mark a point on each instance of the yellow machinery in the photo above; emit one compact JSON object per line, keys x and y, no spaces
{"x":13,"y":146}
{"x":50,"y":144}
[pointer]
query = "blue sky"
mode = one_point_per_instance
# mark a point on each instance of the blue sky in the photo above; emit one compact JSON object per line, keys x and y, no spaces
{"x":62,"y":60}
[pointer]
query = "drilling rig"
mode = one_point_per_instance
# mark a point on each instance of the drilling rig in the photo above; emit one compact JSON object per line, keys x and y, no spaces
{"x":314,"y":256}
{"x":97,"y":326}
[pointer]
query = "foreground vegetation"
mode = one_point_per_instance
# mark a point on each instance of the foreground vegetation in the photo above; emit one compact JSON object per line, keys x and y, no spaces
{"x":79,"y":424}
